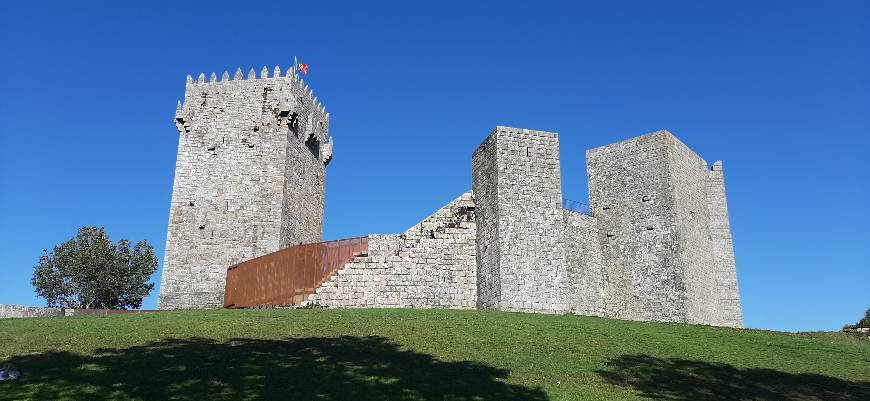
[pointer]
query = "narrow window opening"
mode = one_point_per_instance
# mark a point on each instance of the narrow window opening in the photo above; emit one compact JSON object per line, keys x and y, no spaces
{"x":313,"y":145}
{"x":528,"y":152}
{"x":294,"y":124}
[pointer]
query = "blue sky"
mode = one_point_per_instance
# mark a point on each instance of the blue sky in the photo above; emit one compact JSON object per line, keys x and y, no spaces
{"x":780,"y":91}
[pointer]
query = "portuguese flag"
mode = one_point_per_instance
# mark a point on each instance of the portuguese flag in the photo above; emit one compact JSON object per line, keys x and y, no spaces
{"x":299,"y":65}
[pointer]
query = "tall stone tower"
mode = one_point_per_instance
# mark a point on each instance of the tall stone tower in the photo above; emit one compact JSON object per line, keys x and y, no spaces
{"x":517,"y":188}
{"x":249,"y":179}
{"x":663,"y":231}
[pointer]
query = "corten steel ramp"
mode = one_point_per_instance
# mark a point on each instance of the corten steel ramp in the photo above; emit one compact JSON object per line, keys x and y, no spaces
{"x":289,"y":276}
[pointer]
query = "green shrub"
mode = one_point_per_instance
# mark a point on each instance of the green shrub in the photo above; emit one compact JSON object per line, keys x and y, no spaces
{"x":864,"y":322}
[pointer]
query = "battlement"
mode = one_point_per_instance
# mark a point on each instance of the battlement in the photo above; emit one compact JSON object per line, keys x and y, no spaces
{"x":290,"y":76}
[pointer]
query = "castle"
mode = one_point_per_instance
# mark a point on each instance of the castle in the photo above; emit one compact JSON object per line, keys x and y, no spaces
{"x":250,"y":176}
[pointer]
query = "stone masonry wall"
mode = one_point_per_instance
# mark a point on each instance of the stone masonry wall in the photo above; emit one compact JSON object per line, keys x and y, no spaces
{"x":484,"y":173}
{"x":19,"y":311}
{"x":517,"y":182}
{"x":249,"y":179}
{"x":584,"y":264}
{"x":431,"y":265}
{"x":730,"y":313}
{"x":650,"y":197}
{"x":694,"y":247}
{"x":309,"y":150}
{"x":631,"y":195}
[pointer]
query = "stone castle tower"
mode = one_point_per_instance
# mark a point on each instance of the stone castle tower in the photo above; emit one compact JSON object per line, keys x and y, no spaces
{"x":517,"y":188}
{"x":663,"y":231}
{"x":249,"y":179}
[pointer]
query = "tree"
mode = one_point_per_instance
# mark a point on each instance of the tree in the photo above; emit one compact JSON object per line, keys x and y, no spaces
{"x":90,"y":272}
{"x":863,"y":323}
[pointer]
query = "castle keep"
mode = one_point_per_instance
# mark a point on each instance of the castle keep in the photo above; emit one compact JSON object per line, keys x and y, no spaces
{"x":655,"y":244}
{"x":249,"y":179}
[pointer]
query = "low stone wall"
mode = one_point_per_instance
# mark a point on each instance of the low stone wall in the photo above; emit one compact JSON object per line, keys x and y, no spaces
{"x":20,"y":311}
{"x":12,"y":311}
{"x":104,"y":312}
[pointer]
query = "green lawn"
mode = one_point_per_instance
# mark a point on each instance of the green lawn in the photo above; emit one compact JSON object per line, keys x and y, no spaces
{"x":420,"y":355}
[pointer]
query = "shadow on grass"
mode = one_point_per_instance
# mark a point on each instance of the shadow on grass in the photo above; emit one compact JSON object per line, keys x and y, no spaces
{"x":343,"y":368}
{"x":680,"y":379}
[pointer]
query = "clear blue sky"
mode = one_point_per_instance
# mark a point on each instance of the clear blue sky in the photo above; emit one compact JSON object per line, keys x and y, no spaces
{"x":780,"y":91}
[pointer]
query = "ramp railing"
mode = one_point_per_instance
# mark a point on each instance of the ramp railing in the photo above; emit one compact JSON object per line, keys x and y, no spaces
{"x":288,"y":276}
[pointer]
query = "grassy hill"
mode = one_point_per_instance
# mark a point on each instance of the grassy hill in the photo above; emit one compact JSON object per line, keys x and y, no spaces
{"x":420,"y":355}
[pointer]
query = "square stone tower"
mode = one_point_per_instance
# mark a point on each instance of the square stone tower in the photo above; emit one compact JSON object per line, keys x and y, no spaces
{"x":249,"y":179}
{"x":518,"y":195}
{"x":663,"y":232}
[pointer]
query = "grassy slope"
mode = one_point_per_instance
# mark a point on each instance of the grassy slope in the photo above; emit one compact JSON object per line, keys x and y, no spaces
{"x":416,"y":354}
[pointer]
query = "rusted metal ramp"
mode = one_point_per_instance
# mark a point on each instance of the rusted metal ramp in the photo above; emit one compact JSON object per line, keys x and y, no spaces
{"x":289,"y":276}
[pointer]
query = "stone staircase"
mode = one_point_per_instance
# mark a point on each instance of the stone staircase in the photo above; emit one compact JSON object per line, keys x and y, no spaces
{"x":431,"y":265}
{"x":330,"y":282}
